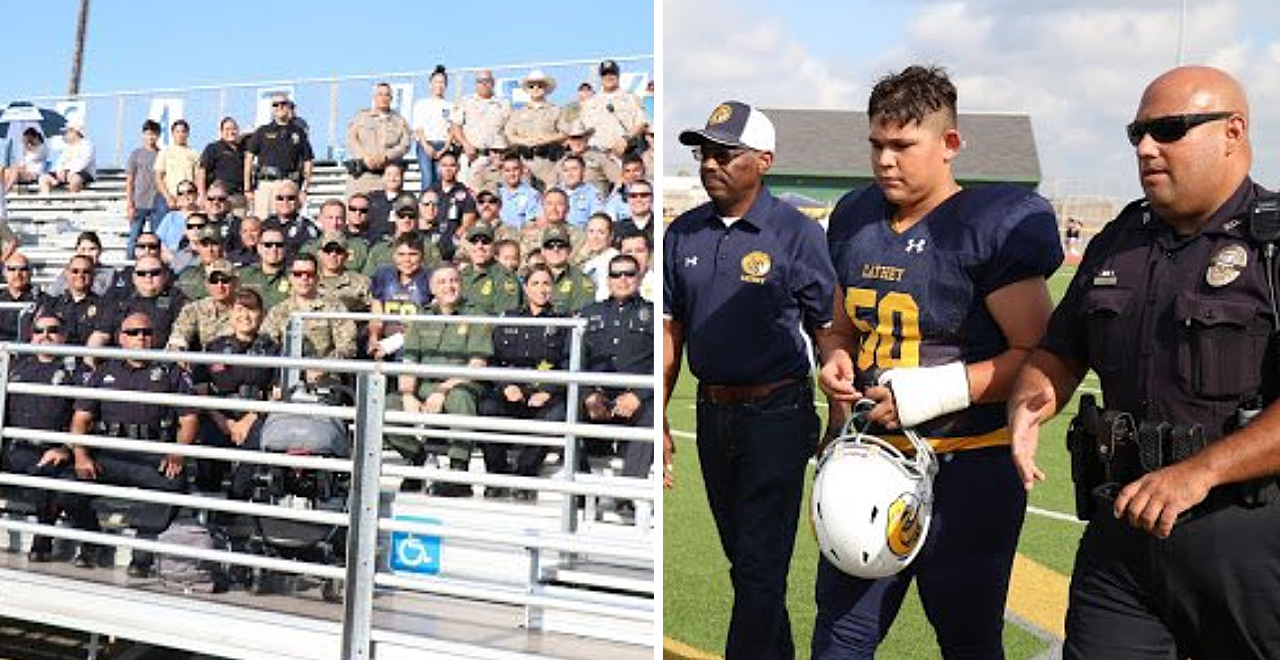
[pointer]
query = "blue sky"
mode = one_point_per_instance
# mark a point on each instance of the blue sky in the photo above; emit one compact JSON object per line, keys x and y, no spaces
{"x":1076,"y":67}
{"x":180,"y":43}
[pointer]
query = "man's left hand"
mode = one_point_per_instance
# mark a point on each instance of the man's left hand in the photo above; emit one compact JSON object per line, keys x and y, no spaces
{"x":1154,"y":502}
{"x":171,"y":466}
{"x":626,"y":405}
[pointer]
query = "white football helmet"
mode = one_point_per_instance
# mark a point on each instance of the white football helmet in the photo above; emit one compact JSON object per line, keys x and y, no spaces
{"x":871,"y":504}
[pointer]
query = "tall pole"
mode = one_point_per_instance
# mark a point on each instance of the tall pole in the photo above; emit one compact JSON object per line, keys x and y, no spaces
{"x":77,"y":62}
{"x":1182,"y":23}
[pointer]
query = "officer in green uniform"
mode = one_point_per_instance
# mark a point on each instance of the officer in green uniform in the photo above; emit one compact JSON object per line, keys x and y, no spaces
{"x":571,"y":288}
{"x":487,"y":286}
{"x":194,"y":280}
{"x":269,"y":277}
{"x":445,"y":344}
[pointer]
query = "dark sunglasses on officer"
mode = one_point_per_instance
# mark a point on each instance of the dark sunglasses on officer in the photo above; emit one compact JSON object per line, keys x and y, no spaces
{"x":1171,"y":128}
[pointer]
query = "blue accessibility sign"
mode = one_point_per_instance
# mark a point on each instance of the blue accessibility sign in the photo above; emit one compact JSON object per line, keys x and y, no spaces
{"x":415,"y":553}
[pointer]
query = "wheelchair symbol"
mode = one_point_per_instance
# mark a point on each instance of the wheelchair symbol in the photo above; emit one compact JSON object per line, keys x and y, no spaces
{"x":413,"y":554}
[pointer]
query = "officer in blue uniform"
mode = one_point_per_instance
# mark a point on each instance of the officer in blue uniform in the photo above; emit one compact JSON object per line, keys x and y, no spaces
{"x":746,"y":277}
{"x":136,"y":421}
{"x":942,"y":294}
{"x":521,"y":203}
{"x":1171,"y":308}
{"x":45,"y":413}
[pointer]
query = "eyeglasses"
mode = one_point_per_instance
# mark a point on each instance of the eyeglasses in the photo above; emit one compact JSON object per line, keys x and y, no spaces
{"x":216,"y":198}
{"x":304,"y":273}
{"x":286,"y":198}
{"x":18,"y":269}
{"x":555,"y":245}
{"x":720,"y":155}
{"x":622,"y":273}
{"x":148,"y":246}
{"x":640,"y":195}
{"x":210,"y":241}
{"x":488,"y":200}
{"x":186,"y":192}
{"x":272,"y":244}
{"x":429,"y":202}
{"x":138,"y":332}
{"x":358,"y":209}
{"x":46,"y":329}
{"x":1171,"y":128}
{"x":481,"y":240}
{"x":148,"y":273}
{"x":79,"y":271}
{"x":220,"y":278}
{"x":281,"y":104}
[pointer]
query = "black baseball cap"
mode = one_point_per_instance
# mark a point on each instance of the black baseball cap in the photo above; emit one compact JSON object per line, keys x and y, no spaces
{"x":733,"y":124}
{"x":609,"y":67}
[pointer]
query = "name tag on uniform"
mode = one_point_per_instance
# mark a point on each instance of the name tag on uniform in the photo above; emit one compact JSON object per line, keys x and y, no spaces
{"x":1105,"y":278}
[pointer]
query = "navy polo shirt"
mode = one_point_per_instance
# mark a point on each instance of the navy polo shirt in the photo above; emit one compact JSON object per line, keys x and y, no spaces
{"x":747,"y":293}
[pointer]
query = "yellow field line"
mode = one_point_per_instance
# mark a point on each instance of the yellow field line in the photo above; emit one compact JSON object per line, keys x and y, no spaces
{"x":1037,"y":594}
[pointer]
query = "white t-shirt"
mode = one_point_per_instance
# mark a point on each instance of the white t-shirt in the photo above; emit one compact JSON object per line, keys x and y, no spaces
{"x":432,"y":116}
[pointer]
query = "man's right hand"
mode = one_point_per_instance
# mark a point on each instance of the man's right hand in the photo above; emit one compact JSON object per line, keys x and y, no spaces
{"x":86,"y":468}
{"x":1024,"y":426}
{"x":836,"y":379}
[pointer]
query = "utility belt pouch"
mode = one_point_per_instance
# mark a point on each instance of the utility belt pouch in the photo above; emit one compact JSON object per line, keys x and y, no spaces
{"x":1185,"y":441}
{"x":1086,"y":469}
{"x":1153,"y":449}
{"x":1117,"y":447}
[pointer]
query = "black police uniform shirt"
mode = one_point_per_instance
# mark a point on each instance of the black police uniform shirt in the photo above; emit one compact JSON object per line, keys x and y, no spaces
{"x":238,"y":380}
{"x":10,"y":317}
{"x":1175,"y":327}
{"x":284,"y":148}
{"x":158,"y":377}
{"x":224,"y":162}
{"x":531,"y":347}
{"x":163,"y":310}
{"x":918,"y":298}
{"x":79,"y":317}
{"x":619,"y":337}
{"x":35,"y":411}
{"x":747,"y":292}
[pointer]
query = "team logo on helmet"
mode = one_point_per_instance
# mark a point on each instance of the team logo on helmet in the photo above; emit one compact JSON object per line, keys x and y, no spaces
{"x":902,"y":527}
{"x":721,"y":114}
{"x":755,"y":266}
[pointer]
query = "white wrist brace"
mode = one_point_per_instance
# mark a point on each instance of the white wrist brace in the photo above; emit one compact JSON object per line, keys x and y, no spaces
{"x":927,"y":392}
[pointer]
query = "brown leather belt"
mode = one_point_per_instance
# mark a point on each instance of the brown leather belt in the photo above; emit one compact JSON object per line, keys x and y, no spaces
{"x":722,"y":394}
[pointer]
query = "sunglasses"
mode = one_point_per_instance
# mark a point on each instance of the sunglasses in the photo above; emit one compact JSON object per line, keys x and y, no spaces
{"x":79,"y":271}
{"x":216,"y":198}
{"x":487,"y":201}
{"x":148,"y":273}
{"x":622,"y":273}
{"x":721,"y":156}
{"x":358,"y":209}
{"x":220,"y":278}
{"x":272,"y":244}
{"x":138,"y":332}
{"x":210,"y":241}
{"x":46,"y":329}
{"x":481,"y":240}
{"x":148,"y":246}
{"x":18,"y":269}
{"x":640,"y":195}
{"x":556,"y":245}
{"x":1171,"y":128}
{"x":406,"y":214}
{"x":196,"y":225}
{"x":286,"y":198}
{"x":333,"y":248}
{"x":282,"y":104}
{"x":304,"y":273}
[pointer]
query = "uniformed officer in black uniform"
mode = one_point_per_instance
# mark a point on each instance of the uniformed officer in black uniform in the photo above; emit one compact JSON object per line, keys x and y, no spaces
{"x":43,"y":413}
{"x":138,"y":421}
{"x":277,"y":151}
{"x":15,"y":322}
{"x":152,"y":294}
{"x":1171,"y":308}
{"x":78,"y":306}
{"x":743,"y":274}
{"x":619,"y":339}
{"x":526,"y":347}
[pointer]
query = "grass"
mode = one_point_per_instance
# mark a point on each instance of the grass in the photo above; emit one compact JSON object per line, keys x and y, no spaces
{"x":696,"y":593}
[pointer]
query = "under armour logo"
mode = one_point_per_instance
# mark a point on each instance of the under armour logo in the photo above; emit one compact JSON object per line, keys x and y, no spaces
{"x":915,"y":245}
{"x":690,"y":261}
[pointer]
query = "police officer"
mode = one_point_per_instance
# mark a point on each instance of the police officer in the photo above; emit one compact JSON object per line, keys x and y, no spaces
{"x":376,"y":137}
{"x":330,"y":338}
{"x":78,"y":306}
{"x":487,"y":286}
{"x":269,"y":277}
{"x":151,"y":294}
{"x":521,"y":203}
{"x":448,"y":344}
{"x":336,"y":282}
{"x":1170,"y":307}
{"x":571,"y":288}
{"x":206,"y":318}
{"x":277,"y":151}
{"x":43,"y":413}
{"x":534,"y":129}
{"x":615,"y":115}
{"x":477,"y":125}
{"x":743,"y":274}
{"x":527,"y":347}
{"x":619,"y":339}
{"x":17,"y":289}
{"x":136,"y":421}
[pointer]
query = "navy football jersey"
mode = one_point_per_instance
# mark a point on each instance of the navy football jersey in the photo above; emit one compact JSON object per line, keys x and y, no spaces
{"x":917,"y":298}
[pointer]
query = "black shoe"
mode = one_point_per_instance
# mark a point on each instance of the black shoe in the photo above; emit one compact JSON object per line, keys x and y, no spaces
{"x":86,"y":558}
{"x":496,"y":492}
{"x":441,"y":489}
{"x":139,"y":569}
{"x":411,"y":485}
{"x":40,"y":556}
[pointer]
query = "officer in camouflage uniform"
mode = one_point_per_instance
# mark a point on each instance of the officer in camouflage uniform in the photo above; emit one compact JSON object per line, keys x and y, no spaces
{"x":534,"y":130}
{"x":194,"y":280}
{"x":204,"y":319}
{"x":443,"y":344}
{"x":488,"y":287}
{"x":323,"y":338}
{"x":336,"y":282}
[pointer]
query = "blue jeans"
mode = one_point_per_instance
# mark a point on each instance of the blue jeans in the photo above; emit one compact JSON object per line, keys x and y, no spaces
{"x":427,"y":166}
{"x":962,"y":571}
{"x":148,"y":218}
{"x":753,"y":457}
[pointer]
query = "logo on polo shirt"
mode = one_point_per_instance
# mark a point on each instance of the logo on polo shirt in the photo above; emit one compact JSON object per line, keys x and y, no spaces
{"x":755,"y":266}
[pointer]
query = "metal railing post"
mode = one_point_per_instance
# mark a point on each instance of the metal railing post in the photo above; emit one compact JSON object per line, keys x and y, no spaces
{"x":568,"y":513}
{"x":292,"y":348}
{"x":362,"y":534}
{"x":15,"y":537}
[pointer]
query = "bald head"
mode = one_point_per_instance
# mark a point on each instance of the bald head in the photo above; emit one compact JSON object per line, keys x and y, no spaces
{"x":1192,"y":143}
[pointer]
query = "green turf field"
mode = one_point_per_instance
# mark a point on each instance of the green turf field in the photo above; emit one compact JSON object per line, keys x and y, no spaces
{"x":696,"y":591}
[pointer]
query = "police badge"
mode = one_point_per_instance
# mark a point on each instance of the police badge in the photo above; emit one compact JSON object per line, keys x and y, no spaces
{"x":1226,"y":265}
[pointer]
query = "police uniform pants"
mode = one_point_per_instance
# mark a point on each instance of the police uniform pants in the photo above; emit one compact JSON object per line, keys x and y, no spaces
{"x":529,"y":458}
{"x":753,"y":457}
{"x":23,"y":459}
{"x":1211,"y":591}
{"x":264,"y":198}
{"x":365,"y":183}
{"x":962,"y":572}
{"x":544,"y":170}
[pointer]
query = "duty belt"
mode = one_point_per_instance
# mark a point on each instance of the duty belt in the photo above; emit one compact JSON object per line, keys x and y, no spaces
{"x":132,"y":431}
{"x":551,"y":152}
{"x":725,"y":394}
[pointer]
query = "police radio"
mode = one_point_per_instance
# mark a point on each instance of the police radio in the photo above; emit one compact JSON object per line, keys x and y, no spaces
{"x":1264,"y":227}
